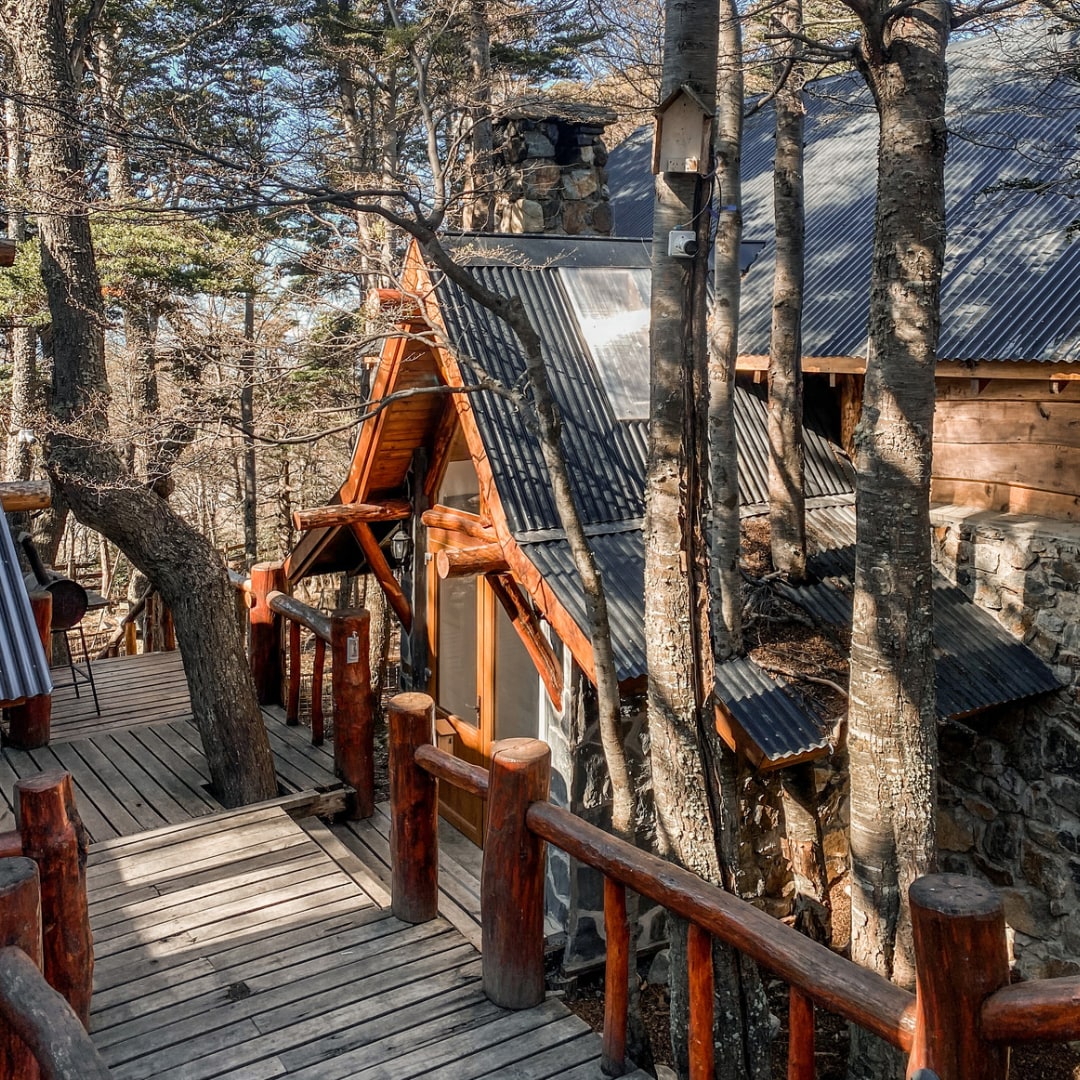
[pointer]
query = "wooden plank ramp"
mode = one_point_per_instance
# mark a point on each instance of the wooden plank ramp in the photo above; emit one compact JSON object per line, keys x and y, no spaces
{"x":238,"y":945}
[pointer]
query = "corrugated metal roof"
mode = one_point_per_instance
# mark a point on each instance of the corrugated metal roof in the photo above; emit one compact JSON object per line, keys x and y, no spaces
{"x":771,"y":711}
{"x":979,"y":664}
{"x":1009,"y":285}
{"x":606,"y":456}
{"x":24,"y":671}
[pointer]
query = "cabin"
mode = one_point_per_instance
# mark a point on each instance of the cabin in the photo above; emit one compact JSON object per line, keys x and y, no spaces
{"x":448,"y":505}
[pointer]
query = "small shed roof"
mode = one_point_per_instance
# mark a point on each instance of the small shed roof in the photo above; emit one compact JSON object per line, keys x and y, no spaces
{"x":1009,"y":286}
{"x":24,"y":671}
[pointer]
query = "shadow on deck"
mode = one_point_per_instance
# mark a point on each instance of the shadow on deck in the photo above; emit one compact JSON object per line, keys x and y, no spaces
{"x":247,"y":944}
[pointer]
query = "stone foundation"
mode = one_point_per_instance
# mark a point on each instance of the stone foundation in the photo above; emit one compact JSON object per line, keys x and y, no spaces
{"x":1010,"y":778}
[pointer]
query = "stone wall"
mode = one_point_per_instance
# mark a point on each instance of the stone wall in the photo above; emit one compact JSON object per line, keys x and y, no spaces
{"x":1010,"y":779}
{"x":549,"y":170}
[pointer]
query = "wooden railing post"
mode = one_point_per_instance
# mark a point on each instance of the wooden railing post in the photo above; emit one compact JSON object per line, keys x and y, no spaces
{"x":961,"y":958}
{"x":266,"y":632}
{"x":699,"y":962}
{"x":317,"y":726}
{"x":54,"y":837}
{"x":292,"y":705}
{"x":31,"y":722}
{"x":20,"y":925}
{"x":801,"y":1064}
{"x":354,"y":734}
{"x":512,"y":879}
{"x":414,"y":811}
{"x":616,"y":978}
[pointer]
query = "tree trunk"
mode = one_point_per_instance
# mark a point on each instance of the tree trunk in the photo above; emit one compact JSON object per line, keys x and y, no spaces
{"x":479,"y":175}
{"x":22,"y":340}
{"x":247,"y":428}
{"x":787,"y":503}
{"x":177,"y":559}
{"x":726,"y":578}
{"x":689,"y":794}
{"x":892,"y":732}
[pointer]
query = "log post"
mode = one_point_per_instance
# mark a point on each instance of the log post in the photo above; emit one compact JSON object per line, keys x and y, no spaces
{"x":512,"y":878}
{"x":961,"y":958}
{"x":266,"y":632}
{"x":699,"y":962}
{"x":131,"y":638}
{"x":317,"y":725}
{"x":31,"y":722}
{"x":54,"y":837}
{"x":616,"y":978}
{"x":354,"y":734}
{"x":20,"y":925}
{"x":292,"y":707}
{"x":414,"y":811}
{"x":801,"y":1065}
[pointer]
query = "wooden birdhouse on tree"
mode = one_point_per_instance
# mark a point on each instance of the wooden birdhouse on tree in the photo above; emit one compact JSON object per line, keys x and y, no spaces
{"x":681,"y":136}
{"x":7,"y":251}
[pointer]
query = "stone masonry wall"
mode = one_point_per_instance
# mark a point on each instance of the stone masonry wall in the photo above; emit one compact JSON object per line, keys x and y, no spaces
{"x":1010,"y":779}
{"x":549,"y":171}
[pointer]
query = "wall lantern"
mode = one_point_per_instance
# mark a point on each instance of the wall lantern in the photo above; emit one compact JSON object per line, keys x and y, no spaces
{"x":681,"y":134}
{"x":400,"y":548}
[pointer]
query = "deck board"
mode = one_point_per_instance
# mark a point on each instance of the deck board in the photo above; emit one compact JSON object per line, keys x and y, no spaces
{"x":136,"y":769}
{"x":243,"y":948}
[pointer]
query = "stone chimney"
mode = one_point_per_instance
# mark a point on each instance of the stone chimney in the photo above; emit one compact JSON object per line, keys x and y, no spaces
{"x":549,"y":169}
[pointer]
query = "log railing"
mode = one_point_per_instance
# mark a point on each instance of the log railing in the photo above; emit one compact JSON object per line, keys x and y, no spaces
{"x":276,"y":618}
{"x":46,"y":950}
{"x":959,"y":1024}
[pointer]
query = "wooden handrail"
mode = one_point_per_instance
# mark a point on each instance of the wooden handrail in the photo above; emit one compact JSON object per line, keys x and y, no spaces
{"x":240,"y":582}
{"x":827,"y":979}
{"x":1044,"y":1009}
{"x":297,"y":611}
{"x":1047,"y":1009}
{"x":444,"y":766}
{"x":820,"y":974}
{"x":45,"y":1021}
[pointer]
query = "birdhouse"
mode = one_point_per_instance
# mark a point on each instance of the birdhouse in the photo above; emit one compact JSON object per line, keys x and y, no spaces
{"x":681,"y":136}
{"x":7,"y":251}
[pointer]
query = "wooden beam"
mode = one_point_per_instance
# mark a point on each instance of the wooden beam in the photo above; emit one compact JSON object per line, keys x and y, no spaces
{"x":394,"y":302}
{"x":18,"y":496}
{"x":452,"y":520}
{"x":322,"y":517}
{"x":383,"y":574}
{"x":945,"y":369}
{"x":532,"y":637}
{"x":486,"y":559}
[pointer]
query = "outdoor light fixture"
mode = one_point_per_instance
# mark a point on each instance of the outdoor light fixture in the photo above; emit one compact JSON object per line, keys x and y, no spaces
{"x":400,"y":548}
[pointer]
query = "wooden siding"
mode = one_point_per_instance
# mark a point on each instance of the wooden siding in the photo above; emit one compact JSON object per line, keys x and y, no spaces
{"x":1008,"y":445}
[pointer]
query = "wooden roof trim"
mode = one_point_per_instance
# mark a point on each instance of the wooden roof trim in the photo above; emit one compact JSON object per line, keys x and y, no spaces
{"x":946,"y":369}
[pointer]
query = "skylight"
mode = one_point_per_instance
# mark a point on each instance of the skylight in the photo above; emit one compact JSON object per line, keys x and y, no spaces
{"x":612,"y":309}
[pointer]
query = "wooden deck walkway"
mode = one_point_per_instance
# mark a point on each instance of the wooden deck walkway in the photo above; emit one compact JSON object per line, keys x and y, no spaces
{"x":135,"y":769}
{"x":248,"y":945}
